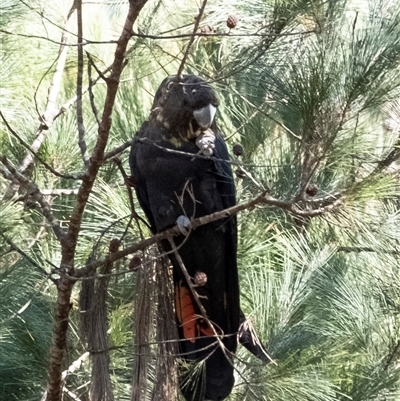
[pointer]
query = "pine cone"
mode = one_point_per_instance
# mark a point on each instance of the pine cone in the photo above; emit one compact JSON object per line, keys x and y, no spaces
{"x":312,"y":190}
{"x":135,"y":263}
{"x":237,"y":150}
{"x":231,"y":21}
{"x":114,"y":245}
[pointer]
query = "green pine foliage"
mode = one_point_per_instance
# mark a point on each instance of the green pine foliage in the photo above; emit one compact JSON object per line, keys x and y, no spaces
{"x":310,"y":90}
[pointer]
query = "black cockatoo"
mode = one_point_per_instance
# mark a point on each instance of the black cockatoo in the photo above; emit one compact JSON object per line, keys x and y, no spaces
{"x":179,"y":163}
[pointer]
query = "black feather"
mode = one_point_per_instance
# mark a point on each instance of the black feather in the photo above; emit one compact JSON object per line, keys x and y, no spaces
{"x":170,"y":184}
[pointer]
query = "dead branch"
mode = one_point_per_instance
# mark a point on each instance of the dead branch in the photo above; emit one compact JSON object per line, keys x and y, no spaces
{"x":192,"y":37}
{"x":79,"y":81}
{"x":91,"y":64}
{"x":34,"y":192}
{"x":71,"y":369}
{"x":47,"y":117}
{"x":59,"y":192}
{"x":46,"y":165}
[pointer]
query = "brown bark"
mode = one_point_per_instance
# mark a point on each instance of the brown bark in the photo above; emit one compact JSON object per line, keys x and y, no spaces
{"x":69,"y":243}
{"x":54,"y":384}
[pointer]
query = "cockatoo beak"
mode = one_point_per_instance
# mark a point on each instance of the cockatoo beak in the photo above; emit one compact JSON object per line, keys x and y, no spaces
{"x":205,"y":116}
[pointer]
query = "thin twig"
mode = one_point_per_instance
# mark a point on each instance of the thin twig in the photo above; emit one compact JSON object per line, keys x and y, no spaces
{"x":191,"y":40}
{"x":93,"y":64}
{"x":90,"y":87}
{"x":137,"y":218}
{"x":161,"y":36}
{"x":260,"y":110}
{"x":71,"y":369}
{"x":392,"y":355}
{"x":47,"y":118}
{"x":79,"y":80}
{"x":33,"y":191}
{"x":17,"y":249}
{"x":116,"y":151}
{"x":59,"y":191}
{"x":219,"y":35}
{"x":359,"y":249}
{"x":46,"y":165}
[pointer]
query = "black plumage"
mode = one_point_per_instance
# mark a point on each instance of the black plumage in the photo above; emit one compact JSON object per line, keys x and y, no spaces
{"x":172,"y":181}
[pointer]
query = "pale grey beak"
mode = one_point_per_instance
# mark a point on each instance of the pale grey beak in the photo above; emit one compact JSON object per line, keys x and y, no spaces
{"x":205,"y":116}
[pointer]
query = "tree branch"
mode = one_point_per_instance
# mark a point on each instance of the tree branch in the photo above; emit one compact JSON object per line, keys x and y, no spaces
{"x":261,"y":199}
{"x":69,"y":242}
{"x":160,"y":36}
{"x":359,"y":249}
{"x":46,"y":165}
{"x":103,"y":132}
{"x":196,"y":26}
{"x":47,"y":117}
{"x":116,"y":151}
{"x":17,"y":249}
{"x":35,"y":193}
{"x":59,"y":191}
{"x":71,"y":369}
{"x":91,"y":95}
{"x":79,"y":80}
